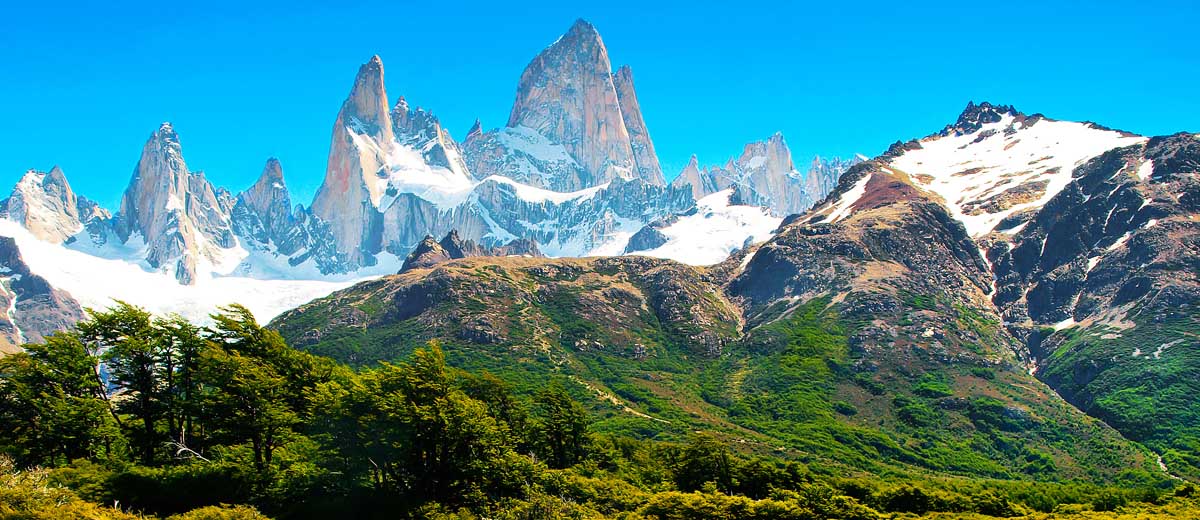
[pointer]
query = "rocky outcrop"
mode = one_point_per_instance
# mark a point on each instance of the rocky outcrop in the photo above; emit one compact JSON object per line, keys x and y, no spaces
{"x":429,"y":252}
{"x":650,"y":236}
{"x":764,"y":175}
{"x":973,"y":117}
{"x":181,"y":217}
{"x":34,"y":308}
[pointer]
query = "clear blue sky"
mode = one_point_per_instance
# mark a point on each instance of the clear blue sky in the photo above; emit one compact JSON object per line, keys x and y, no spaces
{"x":83,"y":84}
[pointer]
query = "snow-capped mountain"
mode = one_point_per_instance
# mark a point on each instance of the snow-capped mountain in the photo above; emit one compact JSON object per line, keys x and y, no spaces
{"x":573,"y":173}
{"x":995,"y":162}
{"x":764,"y":175}
{"x":1075,"y":222}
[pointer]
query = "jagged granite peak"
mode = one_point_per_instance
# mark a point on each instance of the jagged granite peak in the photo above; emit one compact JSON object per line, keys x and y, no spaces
{"x":269,"y":194}
{"x":362,"y":139}
{"x":645,"y":158}
{"x":693,"y":178}
{"x":765,"y":175}
{"x":263,"y":212}
{"x":823,"y":175}
{"x":44,"y":203}
{"x":420,"y":130}
{"x":567,"y":95}
{"x":367,"y":103}
{"x":35,"y":308}
{"x":183,"y":220}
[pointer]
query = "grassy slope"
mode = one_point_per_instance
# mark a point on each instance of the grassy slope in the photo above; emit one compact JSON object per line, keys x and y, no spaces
{"x":1151,"y":399}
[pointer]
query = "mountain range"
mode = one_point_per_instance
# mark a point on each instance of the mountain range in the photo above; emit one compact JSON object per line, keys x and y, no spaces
{"x":925,"y":313}
{"x":926,"y":307}
{"x":573,"y":170}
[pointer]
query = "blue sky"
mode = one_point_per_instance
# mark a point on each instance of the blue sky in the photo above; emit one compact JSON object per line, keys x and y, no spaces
{"x":83,"y":84}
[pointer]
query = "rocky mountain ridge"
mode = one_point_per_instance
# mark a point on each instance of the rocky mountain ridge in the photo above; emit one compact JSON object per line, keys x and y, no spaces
{"x":765,"y":175}
{"x":1000,"y":254}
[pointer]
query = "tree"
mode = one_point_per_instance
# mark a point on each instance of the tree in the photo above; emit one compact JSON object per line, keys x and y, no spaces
{"x":246,"y":401}
{"x":51,"y":407}
{"x":254,"y":389}
{"x":133,"y":354}
{"x":705,"y":459}
{"x":561,"y":427}
{"x":182,"y":347}
{"x":425,"y":438}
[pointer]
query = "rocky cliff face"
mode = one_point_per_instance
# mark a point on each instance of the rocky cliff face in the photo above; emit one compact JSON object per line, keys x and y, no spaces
{"x":1120,"y":232}
{"x":34,"y":309}
{"x":358,"y":157}
{"x":574,"y":125}
{"x":181,"y":217}
{"x":645,"y":158}
{"x":764,"y":175}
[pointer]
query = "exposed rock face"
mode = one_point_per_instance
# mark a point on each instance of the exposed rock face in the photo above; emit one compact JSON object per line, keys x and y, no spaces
{"x":764,"y":175}
{"x":882,"y":241}
{"x":574,"y":123}
{"x":44,"y":203}
{"x":645,"y":158}
{"x":35,"y":309}
{"x":975,"y":116}
{"x":1122,"y":232}
{"x":650,"y":236}
{"x":358,"y":158}
{"x":269,"y":206}
{"x":452,"y":247}
{"x":184,"y":221}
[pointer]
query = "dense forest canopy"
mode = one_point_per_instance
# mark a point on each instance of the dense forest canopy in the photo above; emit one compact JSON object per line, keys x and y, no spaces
{"x":155,"y":416}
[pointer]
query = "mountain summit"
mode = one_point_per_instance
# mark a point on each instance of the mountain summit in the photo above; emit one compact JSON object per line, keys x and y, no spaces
{"x":576,"y":122}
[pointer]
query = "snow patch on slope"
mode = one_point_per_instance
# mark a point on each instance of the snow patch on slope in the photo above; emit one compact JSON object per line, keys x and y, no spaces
{"x":842,"y":209}
{"x":973,"y":167}
{"x":534,"y":194}
{"x":97,"y":281}
{"x":716,"y":229}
